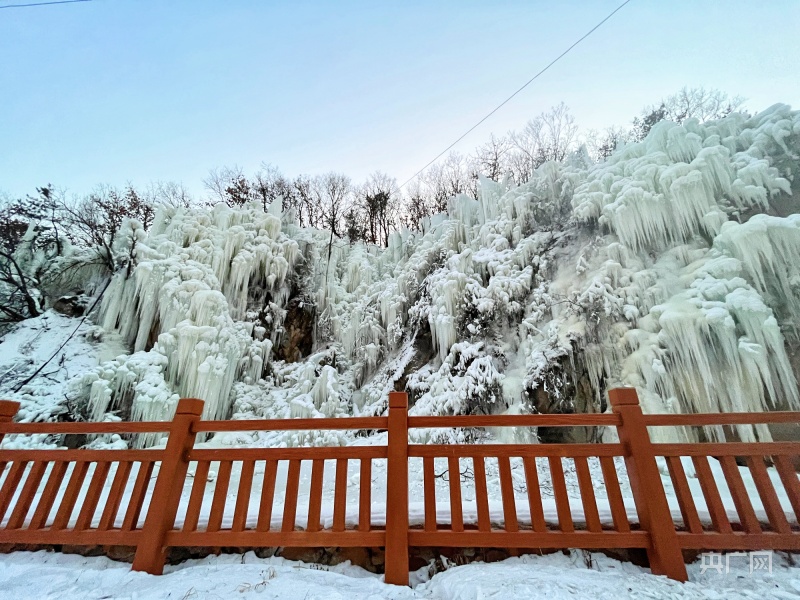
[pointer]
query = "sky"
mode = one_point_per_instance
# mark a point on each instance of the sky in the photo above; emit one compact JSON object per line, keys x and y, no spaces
{"x":134,"y":91}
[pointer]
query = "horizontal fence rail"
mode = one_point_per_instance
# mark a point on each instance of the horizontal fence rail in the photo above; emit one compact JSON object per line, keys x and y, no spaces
{"x":723,"y":496}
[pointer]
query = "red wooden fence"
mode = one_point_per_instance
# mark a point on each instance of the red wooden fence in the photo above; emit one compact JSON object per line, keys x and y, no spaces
{"x":79,"y":496}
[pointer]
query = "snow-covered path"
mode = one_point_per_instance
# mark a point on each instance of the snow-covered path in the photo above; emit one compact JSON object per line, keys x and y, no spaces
{"x":25,"y":575}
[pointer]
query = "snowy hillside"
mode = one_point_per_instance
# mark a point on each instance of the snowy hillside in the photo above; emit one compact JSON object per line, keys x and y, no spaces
{"x":673,"y":266}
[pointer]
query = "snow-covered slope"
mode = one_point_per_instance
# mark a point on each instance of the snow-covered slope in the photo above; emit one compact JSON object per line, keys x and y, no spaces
{"x":553,"y":576}
{"x":674,"y":267}
{"x":28,"y":346}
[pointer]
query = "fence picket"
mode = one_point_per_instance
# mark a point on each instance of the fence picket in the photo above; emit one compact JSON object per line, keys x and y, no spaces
{"x":17,"y":518}
{"x":565,"y":523}
{"x":772,"y":506}
{"x":716,"y":509}
{"x":614,"y":494}
{"x":10,"y":485}
{"x":290,"y":498}
{"x":48,"y":497}
{"x":92,"y":497}
{"x":315,"y":500}
{"x":507,"y":493}
{"x":340,"y":495}
{"x":220,"y":495}
{"x":196,"y":496}
{"x":429,"y":492}
{"x":747,"y":516}
{"x":365,"y":495}
{"x":680,"y":483}
{"x":454,"y":483}
{"x":587,"y":494}
{"x":136,"y":502}
{"x":243,"y":495}
{"x":790,"y":483}
{"x":267,"y":496}
{"x":114,"y":499}
{"x":70,"y":497}
{"x":481,"y":494}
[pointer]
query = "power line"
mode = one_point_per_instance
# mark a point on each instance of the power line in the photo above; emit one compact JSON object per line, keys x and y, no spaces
{"x":527,"y":83}
{"x":43,"y":3}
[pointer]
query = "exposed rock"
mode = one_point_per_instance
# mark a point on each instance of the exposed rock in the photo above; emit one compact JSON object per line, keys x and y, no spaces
{"x":495,"y":555}
{"x":307,"y":555}
{"x":298,"y":331}
{"x":566,"y":389}
{"x":378,"y":557}
{"x":356,"y":556}
{"x":121,"y":553}
{"x":71,"y":306}
{"x":72,"y":441}
{"x":83,"y":550}
{"x":423,"y":354}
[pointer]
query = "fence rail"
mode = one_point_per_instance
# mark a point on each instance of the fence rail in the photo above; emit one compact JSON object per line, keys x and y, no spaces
{"x":154,"y":499}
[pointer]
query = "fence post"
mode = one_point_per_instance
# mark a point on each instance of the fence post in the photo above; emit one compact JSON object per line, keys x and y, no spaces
{"x":664,"y":552}
{"x":8,"y":409}
{"x":150,"y":552}
{"x":396,"y":570}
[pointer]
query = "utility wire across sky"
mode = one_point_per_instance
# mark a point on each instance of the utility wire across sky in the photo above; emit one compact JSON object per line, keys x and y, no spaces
{"x":42,"y":3}
{"x":504,"y":102}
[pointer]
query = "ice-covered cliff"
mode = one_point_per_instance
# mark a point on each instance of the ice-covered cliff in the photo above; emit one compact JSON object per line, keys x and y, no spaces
{"x":674,"y":266}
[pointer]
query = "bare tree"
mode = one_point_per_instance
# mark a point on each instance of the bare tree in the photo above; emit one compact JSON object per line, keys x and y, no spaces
{"x":447,"y":179}
{"x":304,"y":202}
{"x":270,"y":185}
{"x":437,"y":189}
{"x":229,"y":185}
{"x":701,"y":104}
{"x":95,"y":220}
{"x":168,"y":193}
{"x":529,"y":152}
{"x":355,"y":226}
{"x":560,"y":132}
{"x":455,"y":170}
{"x":378,"y":204}
{"x":491,"y":159}
{"x":550,"y":136}
{"x":689,"y":103}
{"x":416,"y":207}
{"x":30,"y":243}
{"x":216,"y":182}
{"x":331,"y":195}
{"x":601,"y":144}
{"x":331,"y":199}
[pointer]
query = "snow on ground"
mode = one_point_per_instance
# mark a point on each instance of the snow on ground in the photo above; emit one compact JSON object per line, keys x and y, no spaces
{"x":28,"y":346}
{"x":557,"y":576}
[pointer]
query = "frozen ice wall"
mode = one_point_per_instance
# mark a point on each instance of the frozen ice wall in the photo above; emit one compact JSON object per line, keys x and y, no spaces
{"x":698,"y":282}
{"x":183,"y":310}
{"x":667,"y":267}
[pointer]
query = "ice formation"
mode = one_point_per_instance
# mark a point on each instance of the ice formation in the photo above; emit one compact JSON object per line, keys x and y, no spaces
{"x":667,"y":268}
{"x":183,"y":310}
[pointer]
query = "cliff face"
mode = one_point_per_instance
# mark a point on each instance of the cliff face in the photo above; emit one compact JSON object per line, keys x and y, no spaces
{"x":674,"y":267}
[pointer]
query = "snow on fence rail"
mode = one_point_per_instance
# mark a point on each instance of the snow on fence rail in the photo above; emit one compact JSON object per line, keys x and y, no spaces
{"x":64,"y":496}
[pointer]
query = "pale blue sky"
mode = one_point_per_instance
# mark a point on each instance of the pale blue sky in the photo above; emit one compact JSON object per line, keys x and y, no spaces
{"x":112,"y":91}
